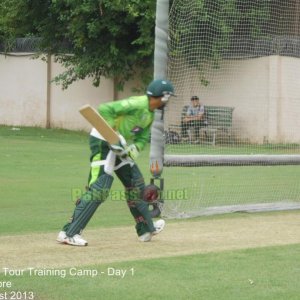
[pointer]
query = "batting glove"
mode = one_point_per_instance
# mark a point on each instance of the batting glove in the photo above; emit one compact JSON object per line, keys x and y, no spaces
{"x":130,"y":151}
{"x":133,"y":151}
{"x":120,"y":148}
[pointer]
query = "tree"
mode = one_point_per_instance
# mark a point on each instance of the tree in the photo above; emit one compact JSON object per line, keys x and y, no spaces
{"x":89,"y":38}
{"x":110,"y":38}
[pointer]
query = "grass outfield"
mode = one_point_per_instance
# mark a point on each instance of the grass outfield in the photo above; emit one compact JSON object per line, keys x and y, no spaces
{"x":270,"y":273}
{"x":41,"y":173}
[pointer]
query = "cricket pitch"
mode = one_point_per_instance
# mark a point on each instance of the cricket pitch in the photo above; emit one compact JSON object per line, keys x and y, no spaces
{"x":108,"y":245}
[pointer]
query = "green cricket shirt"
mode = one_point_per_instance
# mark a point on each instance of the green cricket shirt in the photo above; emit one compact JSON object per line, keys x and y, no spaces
{"x":131,"y":117}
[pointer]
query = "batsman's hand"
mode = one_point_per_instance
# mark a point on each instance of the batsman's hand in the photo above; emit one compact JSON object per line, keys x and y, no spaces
{"x":123,"y":150}
{"x":132,"y":151}
{"x":121,"y":147}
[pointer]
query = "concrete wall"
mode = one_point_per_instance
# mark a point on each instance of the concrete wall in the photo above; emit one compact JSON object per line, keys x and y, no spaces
{"x":23,"y":85}
{"x":64,"y":104}
{"x":27,"y":99}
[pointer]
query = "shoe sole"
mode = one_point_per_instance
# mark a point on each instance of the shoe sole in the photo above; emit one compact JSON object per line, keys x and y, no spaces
{"x":148,"y":239}
{"x":61,"y":241}
{"x":73,"y":244}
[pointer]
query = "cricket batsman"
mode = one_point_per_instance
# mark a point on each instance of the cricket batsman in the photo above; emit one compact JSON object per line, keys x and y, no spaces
{"x":132,"y":119}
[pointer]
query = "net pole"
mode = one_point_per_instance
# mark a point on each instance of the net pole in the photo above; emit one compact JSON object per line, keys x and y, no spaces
{"x":157,"y":145}
{"x":160,"y":71}
{"x":161,"y":39}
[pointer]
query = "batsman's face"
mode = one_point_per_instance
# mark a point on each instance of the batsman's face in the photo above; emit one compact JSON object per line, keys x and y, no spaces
{"x":156,"y":103}
{"x":163,"y":102}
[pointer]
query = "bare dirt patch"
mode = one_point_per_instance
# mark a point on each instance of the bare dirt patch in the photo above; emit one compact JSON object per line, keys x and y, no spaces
{"x":110,"y":245}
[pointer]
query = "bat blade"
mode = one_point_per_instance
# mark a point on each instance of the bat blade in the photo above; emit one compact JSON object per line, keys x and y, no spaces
{"x":97,"y":121}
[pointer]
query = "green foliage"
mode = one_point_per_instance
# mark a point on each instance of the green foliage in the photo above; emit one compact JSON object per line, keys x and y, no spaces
{"x":21,"y":18}
{"x":213,"y":24}
{"x":90,"y":38}
{"x":94,"y":38}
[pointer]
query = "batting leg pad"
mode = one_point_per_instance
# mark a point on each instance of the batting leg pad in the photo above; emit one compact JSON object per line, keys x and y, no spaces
{"x":138,"y":207}
{"x":132,"y":178}
{"x":88,"y":204}
{"x":141,"y":224}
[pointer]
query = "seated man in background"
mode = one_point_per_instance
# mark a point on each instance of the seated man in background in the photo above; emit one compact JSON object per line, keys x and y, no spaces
{"x":193,"y":119}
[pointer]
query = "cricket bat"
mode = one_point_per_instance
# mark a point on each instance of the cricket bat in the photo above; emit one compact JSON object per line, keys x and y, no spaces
{"x":97,"y":121}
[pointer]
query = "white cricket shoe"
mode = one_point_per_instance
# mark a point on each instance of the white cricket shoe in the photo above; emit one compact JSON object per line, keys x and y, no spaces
{"x":61,"y":237}
{"x":75,"y":240}
{"x":159,"y":226}
{"x":146,"y":237}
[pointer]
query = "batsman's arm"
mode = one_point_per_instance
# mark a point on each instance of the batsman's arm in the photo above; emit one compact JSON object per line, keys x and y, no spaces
{"x":107,"y":112}
{"x":141,"y":139}
{"x":110,"y":111}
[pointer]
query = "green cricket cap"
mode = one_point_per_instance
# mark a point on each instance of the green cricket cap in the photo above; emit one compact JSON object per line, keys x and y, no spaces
{"x":160,"y":87}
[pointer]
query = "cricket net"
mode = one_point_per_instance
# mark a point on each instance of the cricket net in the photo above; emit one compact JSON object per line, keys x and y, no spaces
{"x":242,"y":59}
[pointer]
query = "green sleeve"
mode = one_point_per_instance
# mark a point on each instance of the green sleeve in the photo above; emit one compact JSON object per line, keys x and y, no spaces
{"x":142,"y":139}
{"x":124,"y":115}
{"x":110,"y":111}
